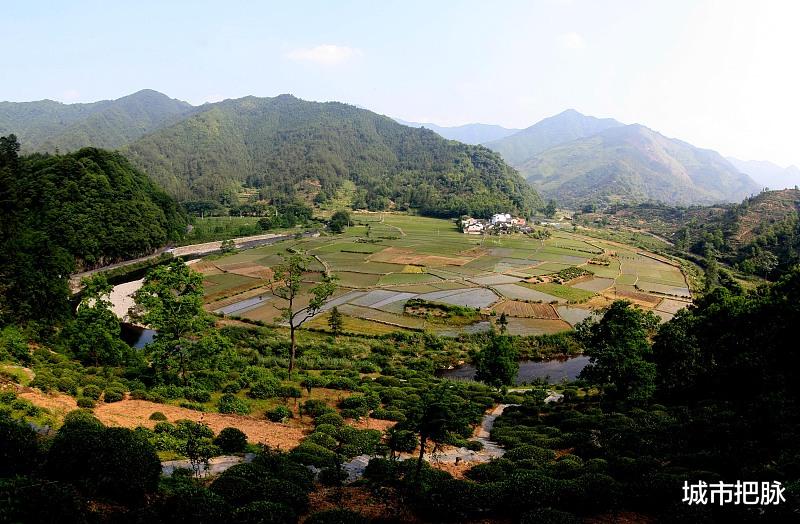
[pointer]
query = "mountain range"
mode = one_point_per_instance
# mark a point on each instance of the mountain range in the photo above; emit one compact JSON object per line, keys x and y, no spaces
{"x":46,"y":125}
{"x":467,"y":133}
{"x":579,"y":159}
{"x":768,"y":174}
{"x":283,"y":148}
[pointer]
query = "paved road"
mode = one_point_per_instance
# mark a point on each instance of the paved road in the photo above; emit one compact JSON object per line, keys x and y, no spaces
{"x":192,"y":249}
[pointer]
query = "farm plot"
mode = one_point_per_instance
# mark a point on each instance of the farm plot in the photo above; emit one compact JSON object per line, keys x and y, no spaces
{"x":630,"y":293}
{"x":382,"y":316}
{"x":518,"y":292}
{"x":594,"y":284}
{"x":516,"y":308}
{"x":573,"y":315}
{"x":536,"y":326}
{"x":354,"y":325}
{"x":241,"y":306}
{"x":571,"y":294}
{"x":470,"y":297}
{"x":663,"y":315}
{"x":669,"y":305}
{"x":491,"y":280}
{"x":357,"y":280}
{"x":226,"y":283}
{"x":663,"y":289}
{"x":407,"y":278}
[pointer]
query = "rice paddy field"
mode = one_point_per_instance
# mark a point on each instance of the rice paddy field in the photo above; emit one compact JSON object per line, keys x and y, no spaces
{"x":386,"y":259}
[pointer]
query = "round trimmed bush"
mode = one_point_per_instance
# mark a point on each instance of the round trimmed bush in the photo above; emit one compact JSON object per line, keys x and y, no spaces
{"x":113,"y":395}
{"x":535,"y":453}
{"x":279,"y":414}
{"x":157,"y":415}
{"x":87,"y":403}
{"x":231,"y":440}
{"x":334,"y":419}
{"x":229,"y":403}
{"x":91,"y":391}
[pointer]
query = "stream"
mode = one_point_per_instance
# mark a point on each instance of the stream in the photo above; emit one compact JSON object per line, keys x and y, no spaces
{"x":553,"y":371}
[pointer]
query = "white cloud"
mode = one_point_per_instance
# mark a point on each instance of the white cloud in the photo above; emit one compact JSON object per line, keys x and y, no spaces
{"x":325,"y":54}
{"x":572,"y":40}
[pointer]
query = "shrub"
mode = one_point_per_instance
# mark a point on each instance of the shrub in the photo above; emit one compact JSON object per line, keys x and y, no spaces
{"x":197,"y":395}
{"x":86,"y":403}
{"x":312,"y":454}
{"x":279,"y":414}
{"x":333,"y":419}
{"x":323,"y":439}
{"x":473,"y":445}
{"x":527,"y":452}
{"x":91,"y":391}
{"x":231,"y":440}
{"x":163,"y":427}
{"x":315,"y":408}
{"x":229,"y":403}
{"x":388,"y":414}
{"x":157,"y":415}
{"x":264,"y":389}
{"x":113,"y":395}
{"x":264,"y":512}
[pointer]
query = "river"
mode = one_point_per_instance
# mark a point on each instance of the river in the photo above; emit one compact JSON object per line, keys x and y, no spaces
{"x":553,"y":370}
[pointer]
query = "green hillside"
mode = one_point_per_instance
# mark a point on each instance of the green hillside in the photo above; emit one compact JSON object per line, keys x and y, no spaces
{"x":67,"y":212}
{"x":279,"y":144}
{"x":635,"y":164}
{"x":555,"y":130}
{"x":47,"y":125}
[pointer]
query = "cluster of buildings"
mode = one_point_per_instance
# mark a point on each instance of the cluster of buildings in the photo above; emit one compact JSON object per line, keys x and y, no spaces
{"x":498,"y":223}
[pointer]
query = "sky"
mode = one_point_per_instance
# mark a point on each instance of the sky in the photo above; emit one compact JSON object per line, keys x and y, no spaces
{"x":719,"y":74}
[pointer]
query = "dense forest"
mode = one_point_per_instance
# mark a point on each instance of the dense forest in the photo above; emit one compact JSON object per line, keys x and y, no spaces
{"x":278,"y":144}
{"x":67,"y":212}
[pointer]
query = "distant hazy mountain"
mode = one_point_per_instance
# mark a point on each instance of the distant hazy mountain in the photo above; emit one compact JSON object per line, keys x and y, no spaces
{"x":46,"y":125}
{"x":468,"y":133}
{"x":768,"y":174}
{"x":281,"y":144}
{"x":633,"y":164}
{"x":555,"y":130}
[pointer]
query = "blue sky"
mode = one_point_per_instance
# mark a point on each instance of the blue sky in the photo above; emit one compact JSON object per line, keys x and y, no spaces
{"x":719,"y":74}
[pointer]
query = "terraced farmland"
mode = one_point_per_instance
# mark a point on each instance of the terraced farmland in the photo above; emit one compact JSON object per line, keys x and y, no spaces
{"x":386,"y":259}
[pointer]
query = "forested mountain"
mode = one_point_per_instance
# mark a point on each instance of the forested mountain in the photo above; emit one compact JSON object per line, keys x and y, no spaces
{"x":555,"y":130}
{"x":47,"y":125}
{"x":759,"y":236}
{"x":634,"y":164}
{"x":275,"y":144}
{"x":768,"y":174}
{"x":468,"y":133}
{"x":66,"y":212}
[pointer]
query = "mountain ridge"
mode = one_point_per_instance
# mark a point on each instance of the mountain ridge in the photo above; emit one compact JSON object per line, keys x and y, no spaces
{"x":473,"y":133}
{"x":636,"y":164}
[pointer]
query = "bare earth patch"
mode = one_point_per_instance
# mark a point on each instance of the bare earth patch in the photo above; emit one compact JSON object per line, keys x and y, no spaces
{"x":58,"y":403}
{"x":134,"y":413}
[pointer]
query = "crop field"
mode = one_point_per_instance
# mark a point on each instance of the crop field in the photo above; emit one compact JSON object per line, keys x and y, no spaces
{"x":571,"y":294}
{"x":386,"y":259}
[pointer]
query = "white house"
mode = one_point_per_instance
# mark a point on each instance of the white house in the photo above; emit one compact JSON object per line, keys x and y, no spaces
{"x":500,"y":218}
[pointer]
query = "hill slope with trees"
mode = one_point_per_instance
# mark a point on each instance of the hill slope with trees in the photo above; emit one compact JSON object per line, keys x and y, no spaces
{"x":67,"y":212}
{"x":47,"y":126}
{"x":278,"y":144}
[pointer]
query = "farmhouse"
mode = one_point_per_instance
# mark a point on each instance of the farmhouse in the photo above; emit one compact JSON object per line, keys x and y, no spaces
{"x":498,"y":223}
